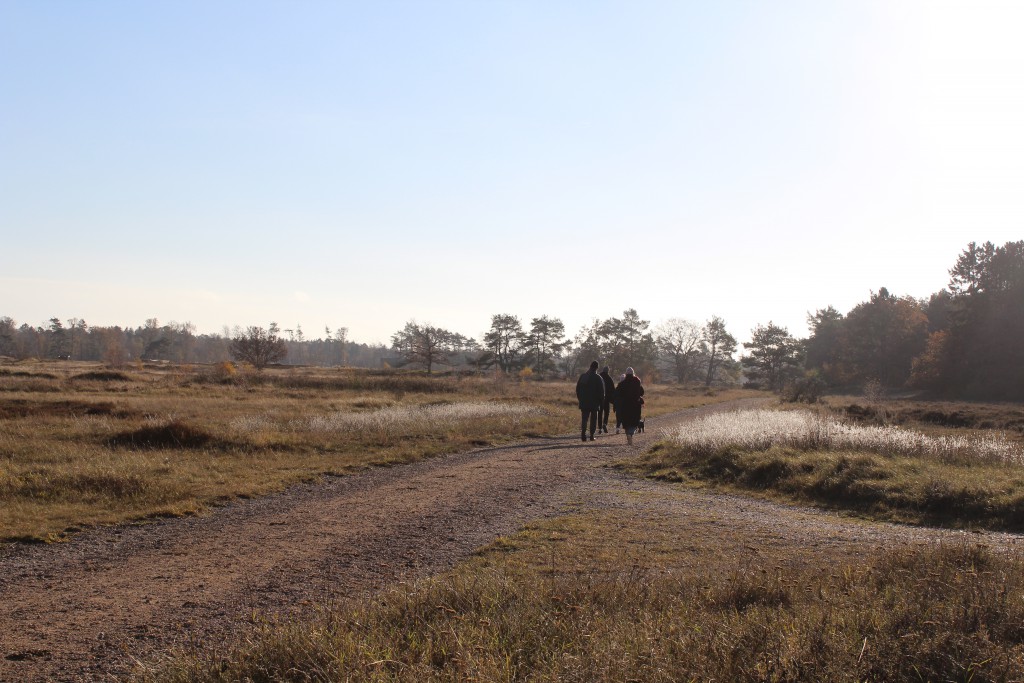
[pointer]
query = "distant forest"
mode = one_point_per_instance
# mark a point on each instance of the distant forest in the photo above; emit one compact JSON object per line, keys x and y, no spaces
{"x":966,"y":341}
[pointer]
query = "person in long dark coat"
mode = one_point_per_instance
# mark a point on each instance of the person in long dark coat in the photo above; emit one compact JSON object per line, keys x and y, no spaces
{"x":590,"y":393}
{"x":628,"y":402}
{"x":618,"y":420}
{"x":609,"y":393}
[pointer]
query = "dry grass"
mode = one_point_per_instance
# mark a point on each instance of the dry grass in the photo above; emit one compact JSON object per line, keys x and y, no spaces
{"x":972,"y":479}
{"x":80,"y":445}
{"x":761,"y":430}
{"x":617,"y":597}
{"x":933,"y":416}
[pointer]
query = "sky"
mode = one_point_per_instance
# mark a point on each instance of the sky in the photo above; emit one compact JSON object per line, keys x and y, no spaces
{"x":363,"y":164}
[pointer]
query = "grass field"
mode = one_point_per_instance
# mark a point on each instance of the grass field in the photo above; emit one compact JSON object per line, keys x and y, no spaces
{"x":618,"y":597}
{"x":81,"y":444}
{"x":888,"y":462}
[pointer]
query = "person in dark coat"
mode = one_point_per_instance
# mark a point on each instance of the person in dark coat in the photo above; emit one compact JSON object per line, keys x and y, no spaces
{"x":628,"y":401}
{"x":618,"y":420}
{"x":609,"y":393}
{"x":590,"y":393}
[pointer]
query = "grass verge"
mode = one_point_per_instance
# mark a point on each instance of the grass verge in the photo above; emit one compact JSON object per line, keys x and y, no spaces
{"x":887,"y":473}
{"x":619,"y":597}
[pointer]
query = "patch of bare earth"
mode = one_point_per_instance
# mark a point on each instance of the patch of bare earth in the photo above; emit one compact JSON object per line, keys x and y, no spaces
{"x":81,"y":611}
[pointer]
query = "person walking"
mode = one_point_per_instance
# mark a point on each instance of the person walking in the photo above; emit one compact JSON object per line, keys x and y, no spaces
{"x":629,"y":397}
{"x":609,"y":393}
{"x":618,"y":420}
{"x":590,"y":393}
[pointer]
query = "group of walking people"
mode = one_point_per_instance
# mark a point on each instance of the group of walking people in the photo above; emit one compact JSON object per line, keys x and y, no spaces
{"x":597,"y":393}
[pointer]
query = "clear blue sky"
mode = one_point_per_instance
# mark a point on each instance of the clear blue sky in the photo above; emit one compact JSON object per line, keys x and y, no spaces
{"x":361,"y":164}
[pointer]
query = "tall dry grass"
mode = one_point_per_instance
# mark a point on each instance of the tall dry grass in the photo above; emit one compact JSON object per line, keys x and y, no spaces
{"x":563,"y":603}
{"x":760,"y":430}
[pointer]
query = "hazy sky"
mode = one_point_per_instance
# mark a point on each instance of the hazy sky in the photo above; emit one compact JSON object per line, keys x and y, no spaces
{"x":361,"y":164}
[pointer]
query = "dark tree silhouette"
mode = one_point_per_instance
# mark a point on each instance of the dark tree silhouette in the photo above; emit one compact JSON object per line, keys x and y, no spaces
{"x":259,"y":347}
{"x":424,"y":345}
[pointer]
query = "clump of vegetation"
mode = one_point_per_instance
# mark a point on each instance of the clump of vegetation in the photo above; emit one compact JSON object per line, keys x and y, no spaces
{"x":102,"y":376}
{"x":25,"y":408}
{"x":23,"y":373}
{"x":77,"y":485}
{"x":171,"y":434}
{"x":589,"y":613}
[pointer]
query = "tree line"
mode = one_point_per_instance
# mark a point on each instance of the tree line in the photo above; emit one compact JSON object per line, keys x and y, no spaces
{"x":74,"y":339}
{"x":966,"y":340}
{"x":678,"y":348}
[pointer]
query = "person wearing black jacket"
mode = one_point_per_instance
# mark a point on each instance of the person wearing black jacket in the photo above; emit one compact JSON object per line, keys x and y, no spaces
{"x":609,"y":392}
{"x":629,"y":399}
{"x":590,"y":394}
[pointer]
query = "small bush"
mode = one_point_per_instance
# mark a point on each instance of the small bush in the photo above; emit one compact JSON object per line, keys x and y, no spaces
{"x":23,"y":408}
{"x":71,"y":486}
{"x":807,"y":389}
{"x":102,"y":376}
{"x":173,"y":434}
{"x":21,"y":373}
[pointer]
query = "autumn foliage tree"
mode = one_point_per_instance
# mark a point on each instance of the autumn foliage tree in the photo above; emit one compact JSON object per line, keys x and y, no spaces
{"x":883,"y":336}
{"x":979,"y":351}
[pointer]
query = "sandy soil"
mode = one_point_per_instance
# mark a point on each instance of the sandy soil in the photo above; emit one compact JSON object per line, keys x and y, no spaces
{"x":83,"y":610}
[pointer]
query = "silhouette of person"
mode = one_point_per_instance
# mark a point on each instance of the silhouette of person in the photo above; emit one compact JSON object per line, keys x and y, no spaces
{"x":628,"y":402}
{"x":590,"y":393}
{"x":609,"y":393}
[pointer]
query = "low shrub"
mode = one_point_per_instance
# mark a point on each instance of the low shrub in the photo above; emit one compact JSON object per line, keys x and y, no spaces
{"x":27,"y":408}
{"x":171,"y":434}
{"x":102,"y":376}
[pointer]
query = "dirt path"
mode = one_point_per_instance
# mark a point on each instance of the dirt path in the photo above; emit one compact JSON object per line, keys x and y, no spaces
{"x":79,"y":611}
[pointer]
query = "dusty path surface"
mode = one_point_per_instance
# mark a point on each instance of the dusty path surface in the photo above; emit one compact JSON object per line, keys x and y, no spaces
{"x":80,"y":611}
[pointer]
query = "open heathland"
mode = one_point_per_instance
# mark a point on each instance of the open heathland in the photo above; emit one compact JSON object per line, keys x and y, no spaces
{"x":82,"y":445}
{"x":614,"y":577}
